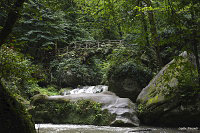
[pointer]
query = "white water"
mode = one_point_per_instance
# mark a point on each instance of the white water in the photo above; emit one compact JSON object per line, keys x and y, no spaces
{"x":67,"y":128}
{"x":89,"y":89}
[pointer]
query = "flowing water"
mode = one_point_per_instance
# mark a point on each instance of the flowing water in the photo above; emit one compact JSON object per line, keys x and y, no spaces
{"x":67,"y":128}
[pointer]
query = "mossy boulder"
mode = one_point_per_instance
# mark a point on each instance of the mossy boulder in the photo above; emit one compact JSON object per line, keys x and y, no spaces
{"x":93,"y":109}
{"x":172,"y":97}
{"x":13,"y":116}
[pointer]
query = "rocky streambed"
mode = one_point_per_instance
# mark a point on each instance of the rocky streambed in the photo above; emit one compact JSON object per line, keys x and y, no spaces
{"x":170,"y":99}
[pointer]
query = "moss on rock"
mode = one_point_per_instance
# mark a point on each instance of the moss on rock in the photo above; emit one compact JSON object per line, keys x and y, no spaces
{"x":13,"y":116}
{"x":64,"y":111}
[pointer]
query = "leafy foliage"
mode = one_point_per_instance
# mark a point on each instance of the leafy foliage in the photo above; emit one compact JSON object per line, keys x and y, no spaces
{"x":16,"y":71}
{"x":45,"y":29}
{"x":73,"y":72}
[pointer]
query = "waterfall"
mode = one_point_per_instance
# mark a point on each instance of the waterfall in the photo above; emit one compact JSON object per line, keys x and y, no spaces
{"x":87,"y":89}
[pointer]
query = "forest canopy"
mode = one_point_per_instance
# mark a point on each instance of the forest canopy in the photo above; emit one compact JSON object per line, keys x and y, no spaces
{"x":38,"y":34}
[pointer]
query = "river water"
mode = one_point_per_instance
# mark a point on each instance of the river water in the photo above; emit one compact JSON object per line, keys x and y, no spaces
{"x":67,"y":128}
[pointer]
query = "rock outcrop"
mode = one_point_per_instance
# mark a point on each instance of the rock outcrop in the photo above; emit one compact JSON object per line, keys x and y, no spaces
{"x":120,"y":111}
{"x":172,"y":97}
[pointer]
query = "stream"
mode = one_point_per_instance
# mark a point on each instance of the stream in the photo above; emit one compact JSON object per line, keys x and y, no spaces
{"x":68,"y":128}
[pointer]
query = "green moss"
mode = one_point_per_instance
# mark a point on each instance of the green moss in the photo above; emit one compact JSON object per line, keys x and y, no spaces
{"x":13,"y":116}
{"x":140,"y":108}
{"x":153,"y":100}
{"x":50,"y":90}
{"x":65,"y":111}
{"x":174,"y":80}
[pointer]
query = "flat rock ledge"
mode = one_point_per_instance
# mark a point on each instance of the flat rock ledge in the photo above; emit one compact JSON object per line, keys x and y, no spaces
{"x":124,"y":110}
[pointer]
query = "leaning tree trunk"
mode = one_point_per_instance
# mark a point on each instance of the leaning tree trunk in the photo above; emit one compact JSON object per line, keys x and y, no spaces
{"x":13,"y":15}
{"x":13,"y":116}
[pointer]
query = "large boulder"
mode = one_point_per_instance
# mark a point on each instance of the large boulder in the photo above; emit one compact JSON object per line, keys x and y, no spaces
{"x":97,"y":109}
{"x":172,"y":97}
{"x":128,"y":79}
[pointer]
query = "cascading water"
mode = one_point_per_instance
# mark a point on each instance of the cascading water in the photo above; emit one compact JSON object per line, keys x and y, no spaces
{"x":87,"y":89}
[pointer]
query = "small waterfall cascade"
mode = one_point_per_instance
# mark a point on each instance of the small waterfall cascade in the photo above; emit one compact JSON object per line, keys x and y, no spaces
{"x":87,"y":89}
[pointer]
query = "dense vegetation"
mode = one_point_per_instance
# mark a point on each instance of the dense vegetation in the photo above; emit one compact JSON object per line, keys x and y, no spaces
{"x":35,"y":35}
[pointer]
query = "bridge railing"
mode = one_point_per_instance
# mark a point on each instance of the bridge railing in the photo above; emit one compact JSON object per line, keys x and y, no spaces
{"x":89,"y":44}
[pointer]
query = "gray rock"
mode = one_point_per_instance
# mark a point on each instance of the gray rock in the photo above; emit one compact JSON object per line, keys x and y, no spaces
{"x":171,"y":98}
{"x":123,"y":109}
{"x":128,"y":79}
{"x":125,"y":87}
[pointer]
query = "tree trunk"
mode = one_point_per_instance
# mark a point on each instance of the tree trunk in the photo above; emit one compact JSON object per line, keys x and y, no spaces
{"x":13,"y":116}
{"x":197,"y":60}
{"x":13,"y":15}
{"x":148,"y":48}
{"x":154,"y":34}
{"x":145,"y":28}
